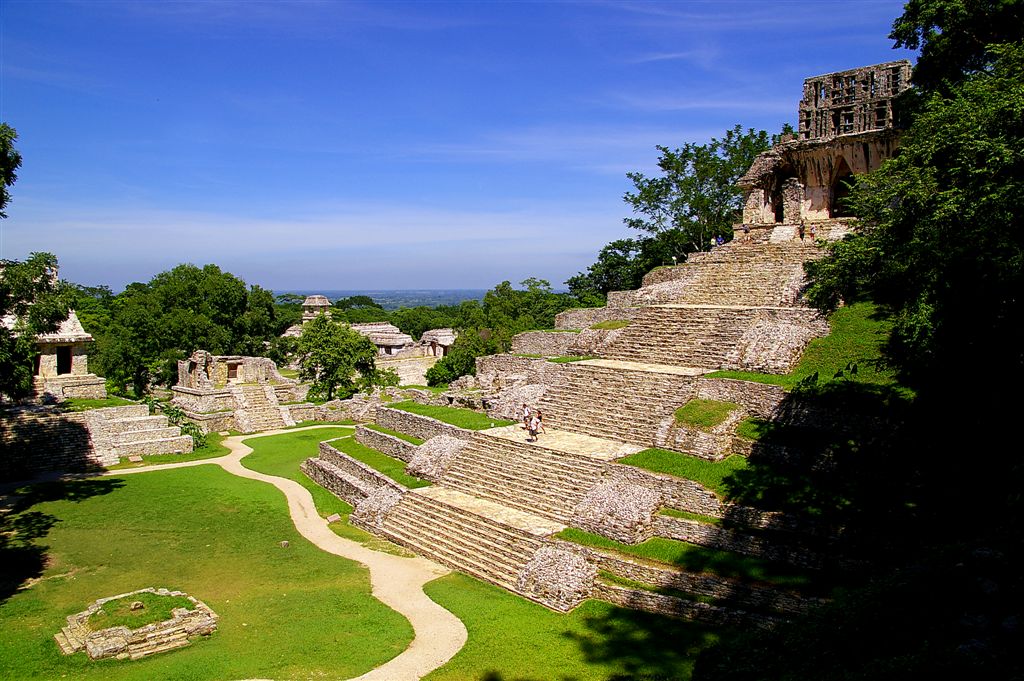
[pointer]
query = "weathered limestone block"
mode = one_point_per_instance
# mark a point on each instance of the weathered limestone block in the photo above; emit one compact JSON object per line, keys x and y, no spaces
{"x":370,"y":513}
{"x":558,"y":576}
{"x":773,"y":345}
{"x":584,"y":318}
{"x":432,"y":459}
{"x":619,"y":510}
{"x":508,"y":404}
{"x":680,"y":493}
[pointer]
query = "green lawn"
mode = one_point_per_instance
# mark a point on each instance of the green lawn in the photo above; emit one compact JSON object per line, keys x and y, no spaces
{"x":704,"y":414}
{"x":513,"y":639}
{"x":566,"y":359}
{"x":711,"y":474}
{"x":695,"y":558}
{"x":84,"y":404}
{"x":212,"y":448}
{"x":857,"y":335}
{"x":394,"y":433}
{"x":285,"y":613}
{"x":281,"y":455}
{"x":611,"y":325}
{"x":463,"y":418}
{"x":389,"y":466}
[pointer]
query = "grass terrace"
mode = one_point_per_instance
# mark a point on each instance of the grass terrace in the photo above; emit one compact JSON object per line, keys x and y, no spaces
{"x":212,"y":449}
{"x":382,"y":463}
{"x":595,"y":641}
{"x":711,"y":474}
{"x":696,"y":558}
{"x":393,"y":433}
{"x":118,"y":612}
{"x":85,"y":404}
{"x":704,"y":414}
{"x":858,"y":333}
{"x":456,"y":416}
{"x":565,"y":359}
{"x":611,"y":324}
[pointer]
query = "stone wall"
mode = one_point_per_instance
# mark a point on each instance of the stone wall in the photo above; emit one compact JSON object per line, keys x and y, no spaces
{"x":124,"y":643}
{"x":203,"y":401}
{"x":419,"y":426}
{"x":347,"y":478}
{"x":649,"y":601}
{"x":685,"y":495}
{"x":546,"y":343}
{"x":757,"y":399}
{"x":66,"y":386}
{"x":717,"y":537}
{"x":737,"y":593}
{"x":35,"y":440}
{"x":388,"y":444}
{"x":584,"y":318}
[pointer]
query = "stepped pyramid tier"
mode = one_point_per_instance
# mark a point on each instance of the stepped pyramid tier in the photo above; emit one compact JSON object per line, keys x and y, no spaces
{"x":231,"y":392}
{"x":44,"y":438}
{"x":497,"y":505}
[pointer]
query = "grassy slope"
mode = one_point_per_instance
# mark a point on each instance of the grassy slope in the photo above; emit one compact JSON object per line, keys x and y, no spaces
{"x":281,"y":455}
{"x":463,"y":418}
{"x":704,"y":414}
{"x":389,"y":466}
{"x":857,"y":335}
{"x":285,"y":613}
{"x":695,"y":558}
{"x":511,"y":638}
{"x":711,"y":474}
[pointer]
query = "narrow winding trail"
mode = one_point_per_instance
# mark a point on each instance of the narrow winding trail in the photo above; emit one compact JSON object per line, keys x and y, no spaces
{"x":396,"y":581}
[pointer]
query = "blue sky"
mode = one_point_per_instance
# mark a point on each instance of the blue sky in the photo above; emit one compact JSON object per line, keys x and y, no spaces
{"x":352,"y":145}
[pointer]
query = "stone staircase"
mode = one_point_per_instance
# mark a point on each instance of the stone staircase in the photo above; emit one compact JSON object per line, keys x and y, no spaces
{"x":711,"y":337}
{"x":761,"y":274}
{"x":528,"y":477}
{"x":618,"y":401}
{"x":486,"y":540}
{"x":258,"y":408}
{"x":125,"y":431}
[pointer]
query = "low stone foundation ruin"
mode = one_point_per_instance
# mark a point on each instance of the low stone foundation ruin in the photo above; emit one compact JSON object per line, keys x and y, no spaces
{"x":124,"y":643}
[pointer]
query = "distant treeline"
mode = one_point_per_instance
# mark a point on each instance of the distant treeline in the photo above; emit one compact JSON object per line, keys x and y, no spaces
{"x":142,"y":332}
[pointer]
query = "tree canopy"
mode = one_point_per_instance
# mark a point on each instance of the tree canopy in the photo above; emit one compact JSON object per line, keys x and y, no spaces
{"x":336,"y":359}
{"x":37,"y":303}
{"x":10,"y":161}
{"x":152,"y":326}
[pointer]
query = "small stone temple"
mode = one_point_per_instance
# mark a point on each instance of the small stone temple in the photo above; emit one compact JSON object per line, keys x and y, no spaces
{"x":846,"y":127}
{"x":311,"y":307}
{"x":231,"y":392}
{"x":62,"y":366}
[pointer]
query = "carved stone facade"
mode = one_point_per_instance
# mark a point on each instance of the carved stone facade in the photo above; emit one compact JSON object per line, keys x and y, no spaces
{"x":846,"y":128}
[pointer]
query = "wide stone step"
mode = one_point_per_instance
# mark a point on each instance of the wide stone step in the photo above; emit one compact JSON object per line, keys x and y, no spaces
{"x":499,"y":549}
{"x":127,"y":425}
{"x":523,"y":500}
{"x":146,"y":435}
{"x":181,"y":444}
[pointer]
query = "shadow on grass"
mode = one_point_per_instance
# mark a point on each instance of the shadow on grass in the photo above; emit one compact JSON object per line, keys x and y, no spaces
{"x":836,"y":457}
{"x":22,"y":557}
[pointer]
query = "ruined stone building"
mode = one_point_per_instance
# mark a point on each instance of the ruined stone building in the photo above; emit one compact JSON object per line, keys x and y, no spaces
{"x":846,"y":127}
{"x":312,"y":306}
{"x":62,"y":365}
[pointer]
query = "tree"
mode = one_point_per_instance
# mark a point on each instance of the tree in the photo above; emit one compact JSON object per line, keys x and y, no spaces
{"x":461,"y":359}
{"x":179,"y":311}
{"x":956,"y":37}
{"x":30,"y":295}
{"x":941,"y":243}
{"x":696,"y":194}
{"x":10,"y":161}
{"x":334,"y":358}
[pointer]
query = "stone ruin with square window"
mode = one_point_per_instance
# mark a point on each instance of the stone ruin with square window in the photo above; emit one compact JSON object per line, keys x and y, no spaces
{"x":846,"y":127}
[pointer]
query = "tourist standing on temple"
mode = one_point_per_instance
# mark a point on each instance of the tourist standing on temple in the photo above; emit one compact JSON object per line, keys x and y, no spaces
{"x":526,"y":416}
